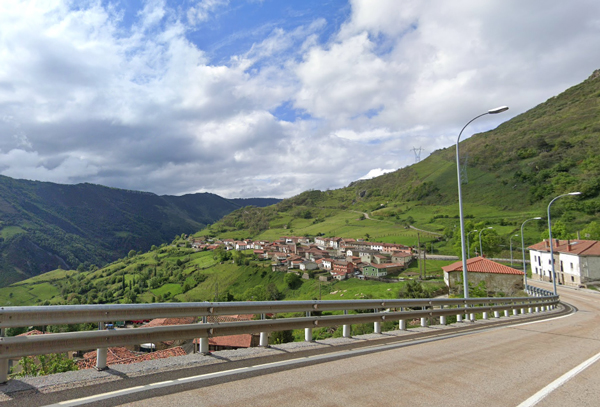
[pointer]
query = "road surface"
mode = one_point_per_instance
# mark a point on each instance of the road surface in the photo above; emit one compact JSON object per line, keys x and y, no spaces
{"x":544,"y":363}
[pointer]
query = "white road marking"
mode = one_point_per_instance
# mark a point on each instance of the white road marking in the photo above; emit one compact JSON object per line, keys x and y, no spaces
{"x":540,"y":395}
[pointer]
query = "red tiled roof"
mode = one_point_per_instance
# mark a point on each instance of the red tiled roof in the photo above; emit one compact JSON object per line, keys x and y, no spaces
{"x":122,"y":356}
{"x":481,"y":265}
{"x":230,"y":318}
{"x":169,"y":321}
{"x":231,"y":341}
{"x":386,"y":265}
{"x":576,"y":247}
{"x":34,"y":332}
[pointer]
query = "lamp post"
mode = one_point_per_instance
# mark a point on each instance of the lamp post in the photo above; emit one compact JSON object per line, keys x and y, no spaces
{"x":460,"y":205}
{"x":480,"y":245}
{"x":511,"y":256}
{"x":523,"y":248}
{"x":468,"y":244}
{"x":550,"y":237}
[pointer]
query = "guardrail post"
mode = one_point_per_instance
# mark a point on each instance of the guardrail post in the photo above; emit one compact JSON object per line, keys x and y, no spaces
{"x":496,"y":314}
{"x":3,"y":363}
{"x":346,"y":328}
{"x":443,"y":320}
{"x":402,"y":322}
{"x":264,"y":336}
{"x":308,"y":331}
{"x":377,"y":324}
{"x":485,"y":315}
{"x":101,"y":353}
{"x":203,"y":342}
{"x":459,"y":318}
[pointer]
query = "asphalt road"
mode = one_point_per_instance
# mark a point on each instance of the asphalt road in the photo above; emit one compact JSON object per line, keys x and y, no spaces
{"x":536,"y":363}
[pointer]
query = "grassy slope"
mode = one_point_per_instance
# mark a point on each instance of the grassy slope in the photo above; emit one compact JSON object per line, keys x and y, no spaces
{"x":227,"y":277}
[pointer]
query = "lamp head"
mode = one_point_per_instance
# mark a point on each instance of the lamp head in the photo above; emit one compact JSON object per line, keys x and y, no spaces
{"x":498,"y":110}
{"x":574,"y":193}
{"x":537,"y":217}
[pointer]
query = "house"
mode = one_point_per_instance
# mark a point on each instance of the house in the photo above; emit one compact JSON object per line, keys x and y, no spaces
{"x":576,"y":262}
{"x":308,"y":265}
{"x":339,"y":275}
{"x":366,"y":255}
{"x":392,"y":248}
{"x":380,"y":270}
{"x":497,"y":277}
{"x":381,"y":259}
{"x":160,"y":345}
{"x":403,"y":258}
{"x":342,"y":267}
{"x":321,"y":242}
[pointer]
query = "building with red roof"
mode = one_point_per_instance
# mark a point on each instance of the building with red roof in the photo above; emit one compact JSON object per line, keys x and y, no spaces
{"x":497,"y":277}
{"x":576,"y":262}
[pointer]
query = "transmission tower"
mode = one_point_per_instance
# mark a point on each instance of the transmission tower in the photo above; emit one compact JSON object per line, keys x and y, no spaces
{"x":417,"y":152}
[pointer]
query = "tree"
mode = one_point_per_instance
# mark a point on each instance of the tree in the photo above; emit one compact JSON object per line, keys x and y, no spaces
{"x":131,"y":254}
{"x":591,"y":231}
{"x":279,"y":337}
{"x":48,"y":364}
{"x":414,"y":289}
{"x":559,"y":231}
{"x":292,"y":280}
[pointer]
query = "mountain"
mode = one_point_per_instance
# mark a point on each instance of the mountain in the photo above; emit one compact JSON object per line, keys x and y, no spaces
{"x":513,"y":172}
{"x":44,"y":226}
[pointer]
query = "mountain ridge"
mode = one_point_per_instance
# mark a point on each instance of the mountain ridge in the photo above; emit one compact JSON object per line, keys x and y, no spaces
{"x":45,"y":225}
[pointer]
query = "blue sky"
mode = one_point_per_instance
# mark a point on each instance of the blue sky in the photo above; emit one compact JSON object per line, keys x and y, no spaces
{"x":268,"y":98}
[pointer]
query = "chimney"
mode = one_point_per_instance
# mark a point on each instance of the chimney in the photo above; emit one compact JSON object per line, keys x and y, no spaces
{"x":546,"y":243}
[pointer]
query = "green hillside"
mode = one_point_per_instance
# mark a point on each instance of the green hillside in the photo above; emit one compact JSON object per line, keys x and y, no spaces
{"x":179,"y":274}
{"x":44,"y":226}
{"x":513,"y":173}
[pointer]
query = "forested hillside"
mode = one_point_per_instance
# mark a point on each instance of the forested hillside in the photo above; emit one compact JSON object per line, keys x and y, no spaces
{"x":45,"y":226}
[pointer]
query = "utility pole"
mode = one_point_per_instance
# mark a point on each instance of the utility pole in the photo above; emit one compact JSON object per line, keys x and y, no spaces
{"x":425,"y":262}
{"x":420,"y":263}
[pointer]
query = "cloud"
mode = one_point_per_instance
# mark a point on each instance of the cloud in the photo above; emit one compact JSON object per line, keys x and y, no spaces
{"x":376,"y":172}
{"x":131,"y":98}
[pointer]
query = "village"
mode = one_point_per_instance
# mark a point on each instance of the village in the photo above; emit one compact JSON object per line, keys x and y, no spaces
{"x":339,"y":258}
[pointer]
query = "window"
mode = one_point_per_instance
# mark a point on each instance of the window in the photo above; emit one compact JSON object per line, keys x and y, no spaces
{"x":572,"y":279}
{"x":561,"y":266}
{"x":571,"y":266}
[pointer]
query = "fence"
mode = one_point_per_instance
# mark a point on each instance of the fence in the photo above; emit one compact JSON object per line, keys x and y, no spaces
{"x":399,"y":310}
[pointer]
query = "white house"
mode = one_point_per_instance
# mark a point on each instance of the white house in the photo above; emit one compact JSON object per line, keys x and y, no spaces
{"x":576,"y":262}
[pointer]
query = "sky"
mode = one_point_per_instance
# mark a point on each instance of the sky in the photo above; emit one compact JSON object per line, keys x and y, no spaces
{"x":269,"y":98}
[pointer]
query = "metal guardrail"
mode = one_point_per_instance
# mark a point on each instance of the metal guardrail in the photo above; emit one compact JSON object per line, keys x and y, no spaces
{"x":382,"y":310}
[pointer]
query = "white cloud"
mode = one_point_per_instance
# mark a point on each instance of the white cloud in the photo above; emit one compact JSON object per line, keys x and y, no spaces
{"x":376,"y":172}
{"x":201,"y":11}
{"x":90,"y":93}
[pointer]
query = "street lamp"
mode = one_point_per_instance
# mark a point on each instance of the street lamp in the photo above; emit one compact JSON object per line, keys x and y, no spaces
{"x":550,"y":236}
{"x":511,"y":256}
{"x":523,"y":248}
{"x":460,"y":205}
{"x":468,"y":244}
{"x":480,"y":245}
